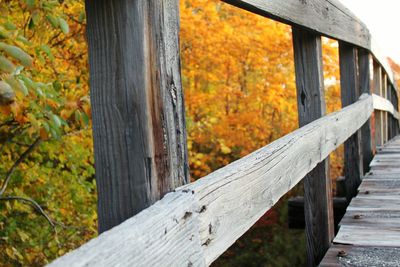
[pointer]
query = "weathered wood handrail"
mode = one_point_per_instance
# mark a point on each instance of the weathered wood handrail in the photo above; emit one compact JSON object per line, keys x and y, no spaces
{"x":138,"y":108}
{"x":199,"y":221}
{"x":383,"y":104}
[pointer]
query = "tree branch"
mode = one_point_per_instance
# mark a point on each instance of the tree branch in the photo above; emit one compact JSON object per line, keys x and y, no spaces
{"x":15,"y":165}
{"x":34,"y":204}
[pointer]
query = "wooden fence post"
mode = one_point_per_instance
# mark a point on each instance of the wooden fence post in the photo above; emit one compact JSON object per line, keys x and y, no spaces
{"x":365,"y":87}
{"x":390,"y":117}
{"x":385,"y":114}
{"x":378,"y":114}
{"x":349,"y":93}
{"x":318,"y":208}
{"x":396,"y":107}
{"x":137,"y":103}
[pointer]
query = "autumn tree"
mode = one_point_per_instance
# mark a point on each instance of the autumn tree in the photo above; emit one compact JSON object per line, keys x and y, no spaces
{"x":46,"y":164}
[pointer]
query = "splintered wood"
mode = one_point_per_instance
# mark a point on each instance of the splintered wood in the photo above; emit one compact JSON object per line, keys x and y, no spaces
{"x":369,"y":233}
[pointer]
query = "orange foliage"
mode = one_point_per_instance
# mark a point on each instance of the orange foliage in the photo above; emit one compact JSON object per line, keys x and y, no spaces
{"x":239,"y":84}
{"x":238,"y":79}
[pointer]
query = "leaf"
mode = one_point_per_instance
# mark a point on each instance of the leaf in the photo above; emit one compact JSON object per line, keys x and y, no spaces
{"x":82,"y":17}
{"x":15,"y":84}
{"x":46,"y":126}
{"x":30,"y":3}
{"x":53,"y":21}
{"x":56,"y":120}
{"x":63,"y":25}
{"x":57,"y":85}
{"x":225,"y":149}
{"x":10,"y":26}
{"x":4,"y":34}
{"x":17,"y":53}
{"x":6,"y":65}
{"x":23,"y":40}
{"x":46,"y":49}
{"x":7,"y":94}
{"x":24,"y":237}
{"x":23,"y":88}
{"x":28,"y":82}
{"x":85,"y":118}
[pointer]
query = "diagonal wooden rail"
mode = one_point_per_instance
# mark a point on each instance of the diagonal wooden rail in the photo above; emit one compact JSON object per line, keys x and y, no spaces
{"x":140,"y":138}
{"x":198,"y":222}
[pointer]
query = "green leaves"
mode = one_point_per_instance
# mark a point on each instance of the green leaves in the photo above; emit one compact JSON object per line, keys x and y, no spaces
{"x":30,"y":3}
{"x":6,"y":65}
{"x":17,"y":53}
{"x":63,"y":25}
{"x":7,"y":94}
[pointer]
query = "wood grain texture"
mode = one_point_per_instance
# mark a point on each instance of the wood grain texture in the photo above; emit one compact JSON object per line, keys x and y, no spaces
{"x":318,"y":205}
{"x":372,"y":219}
{"x":165,"y":234}
{"x":223,"y":205}
{"x":353,"y":168}
{"x":237,"y":195}
{"x":368,"y":236}
{"x":324,"y":17}
{"x":137,"y":103}
{"x":365,"y":87}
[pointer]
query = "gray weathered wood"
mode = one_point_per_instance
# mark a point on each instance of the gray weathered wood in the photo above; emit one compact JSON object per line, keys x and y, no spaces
{"x":368,"y":236}
{"x":318,"y":209}
{"x":372,"y":219}
{"x":353,"y":168}
{"x":378,"y":115}
{"x":385,"y":114}
{"x":383,"y":104}
{"x":227,"y":202}
{"x":365,"y":87}
{"x":325,"y":17}
{"x":136,"y":95}
{"x":367,"y":203}
{"x":165,"y":234}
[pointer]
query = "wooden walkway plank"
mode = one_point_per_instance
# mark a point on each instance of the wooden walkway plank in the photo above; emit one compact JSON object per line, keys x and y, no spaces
{"x":369,"y":233}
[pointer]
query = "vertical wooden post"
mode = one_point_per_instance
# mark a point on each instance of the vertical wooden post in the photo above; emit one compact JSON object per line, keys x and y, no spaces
{"x":311,"y":106}
{"x":137,"y":103}
{"x":349,"y":93}
{"x":378,"y":114}
{"x":390,"y":117}
{"x":365,"y":87}
{"x":385,"y":114}
{"x":396,"y":107}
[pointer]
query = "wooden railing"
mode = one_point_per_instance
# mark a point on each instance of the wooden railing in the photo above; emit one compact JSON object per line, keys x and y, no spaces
{"x":197,"y":222}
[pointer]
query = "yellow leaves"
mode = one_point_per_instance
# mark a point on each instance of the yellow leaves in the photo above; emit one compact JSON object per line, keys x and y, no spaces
{"x":225,"y":149}
{"x":24,"y":236}
{"x":13,"y":253}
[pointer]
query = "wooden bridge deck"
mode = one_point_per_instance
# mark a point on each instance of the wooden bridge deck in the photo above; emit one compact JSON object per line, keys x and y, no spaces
{"x":369,"y":233}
